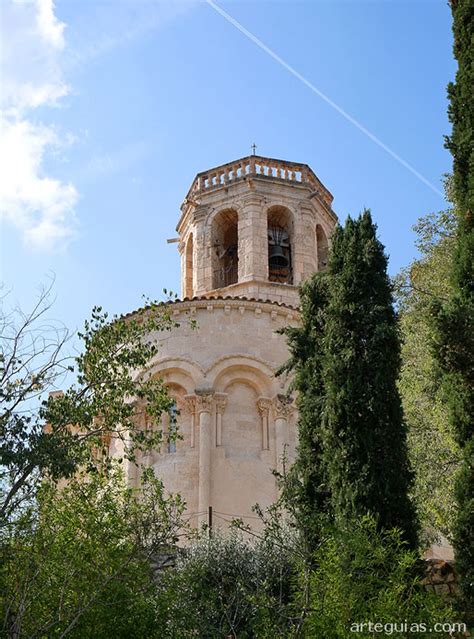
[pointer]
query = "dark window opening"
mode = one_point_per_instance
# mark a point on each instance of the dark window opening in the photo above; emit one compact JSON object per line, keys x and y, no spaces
{"x":279,"y":235}
{"x":225,"y":256}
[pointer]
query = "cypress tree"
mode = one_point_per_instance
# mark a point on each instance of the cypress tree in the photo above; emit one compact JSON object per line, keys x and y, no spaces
{"x":352,"y":454}
{"x":454,"y":342}
{"x":305,"y":490}
{"x":363,"y":431}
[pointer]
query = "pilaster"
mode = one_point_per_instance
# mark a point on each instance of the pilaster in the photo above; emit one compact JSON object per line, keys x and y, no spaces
{"x":253,"y":263}
{"x":220,"y":400}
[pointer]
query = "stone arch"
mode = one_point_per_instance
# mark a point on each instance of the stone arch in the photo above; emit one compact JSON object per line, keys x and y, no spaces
{"x":178,"y":370}
{"x":280,"y":243}
{"x":242,"y":369}
{"x":322,"y":247}
{"x":177,"y":392}
{"x":189,"y":267}
{"x":224,"y":248}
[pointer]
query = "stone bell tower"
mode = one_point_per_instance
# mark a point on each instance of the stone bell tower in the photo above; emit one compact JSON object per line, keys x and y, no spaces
{"x":254,"y":227}
{"x":250,"y":232}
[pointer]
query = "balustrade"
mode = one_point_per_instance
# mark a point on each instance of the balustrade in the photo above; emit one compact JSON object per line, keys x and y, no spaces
{"x":254,"y":166}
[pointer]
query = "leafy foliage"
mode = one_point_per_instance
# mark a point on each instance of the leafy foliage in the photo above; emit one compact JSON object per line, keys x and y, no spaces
{"x":363,"y":575}
{"x":79,"y":566}
{"x":454,"y":338}
{"x":230,"y":588}
{"x":55,"y":435}
{"x":433,"y":451}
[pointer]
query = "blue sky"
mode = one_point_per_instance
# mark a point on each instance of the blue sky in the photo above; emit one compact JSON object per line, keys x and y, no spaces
{"x":111,"y":108}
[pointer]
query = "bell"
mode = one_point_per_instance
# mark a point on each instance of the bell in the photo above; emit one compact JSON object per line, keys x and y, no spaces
{"x":276,"y":258}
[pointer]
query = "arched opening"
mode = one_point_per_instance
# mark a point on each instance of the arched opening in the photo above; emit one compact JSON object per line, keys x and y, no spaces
{"x":225,"y":253}
{"x":169,"y":423}
{"x":322,"y":247}
{"x":189,"y":268}
{"x":173,"y":426}
{"x":280,"y":238}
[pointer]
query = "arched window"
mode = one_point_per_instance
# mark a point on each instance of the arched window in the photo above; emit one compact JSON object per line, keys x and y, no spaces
{"x":188,"y":283}
{"x":280,"y":237}
{"x":322,"y":247}
{"x":225,"y":250}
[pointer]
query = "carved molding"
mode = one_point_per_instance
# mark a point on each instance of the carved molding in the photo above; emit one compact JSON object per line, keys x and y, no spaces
{"x":264,"y":404}
{"x":220,"y":400}
{"x":282,"y":406}
{"x":190,"y":403}
{"x":204,"y":402}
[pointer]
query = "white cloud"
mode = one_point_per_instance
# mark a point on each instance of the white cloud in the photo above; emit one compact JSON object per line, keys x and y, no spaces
{"x":39,"y":206}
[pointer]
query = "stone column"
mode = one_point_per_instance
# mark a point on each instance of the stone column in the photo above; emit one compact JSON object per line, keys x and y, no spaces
{"x":220,"y":403}
{"x":264,"y":405}
{"x":204,"y":409}
{"x":191,"y":408}
{"x":282,"y":409}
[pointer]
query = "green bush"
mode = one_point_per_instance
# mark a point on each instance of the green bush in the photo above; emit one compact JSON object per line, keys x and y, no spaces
{"x":226,"y":586}
{"x":363,"y":575}
{"x":79,"y":565}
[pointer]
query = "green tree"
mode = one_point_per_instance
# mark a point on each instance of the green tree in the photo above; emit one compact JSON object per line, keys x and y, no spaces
{"x":365,"y":449}
{"x":454,"y":339}
{"x":231,"y":588}
{"x":352,"y":459}
{"x":54,"y":435}
{"x":366,"y":575}
{"x":434,"y":454}
{"x":305,"y":490}
{"x":80,"y":564}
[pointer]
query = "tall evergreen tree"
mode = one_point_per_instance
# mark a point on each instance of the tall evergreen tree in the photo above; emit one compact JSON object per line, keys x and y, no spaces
{"x":364,"y":434}
{"x":305,"y":487}
{"x":454,"y":342}
{"x":352,"y":453}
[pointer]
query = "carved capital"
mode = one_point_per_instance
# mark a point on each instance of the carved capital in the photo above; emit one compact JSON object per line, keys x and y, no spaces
{"x":282,"y":406}
{"x":190,"y":403}
{"x":220,"y":400}
{"x":204,"y":402}
{"x":264,"y":404}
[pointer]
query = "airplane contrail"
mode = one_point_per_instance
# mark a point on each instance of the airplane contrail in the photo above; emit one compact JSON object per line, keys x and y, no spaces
{"x":323,"y":96}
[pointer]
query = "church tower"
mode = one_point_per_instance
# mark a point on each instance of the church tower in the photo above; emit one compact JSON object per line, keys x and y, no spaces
{"x":255,"y":227}
{"x":250,"y":232}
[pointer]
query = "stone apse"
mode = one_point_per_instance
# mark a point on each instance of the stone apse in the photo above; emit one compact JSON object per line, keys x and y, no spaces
{"x":250,"y":232}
